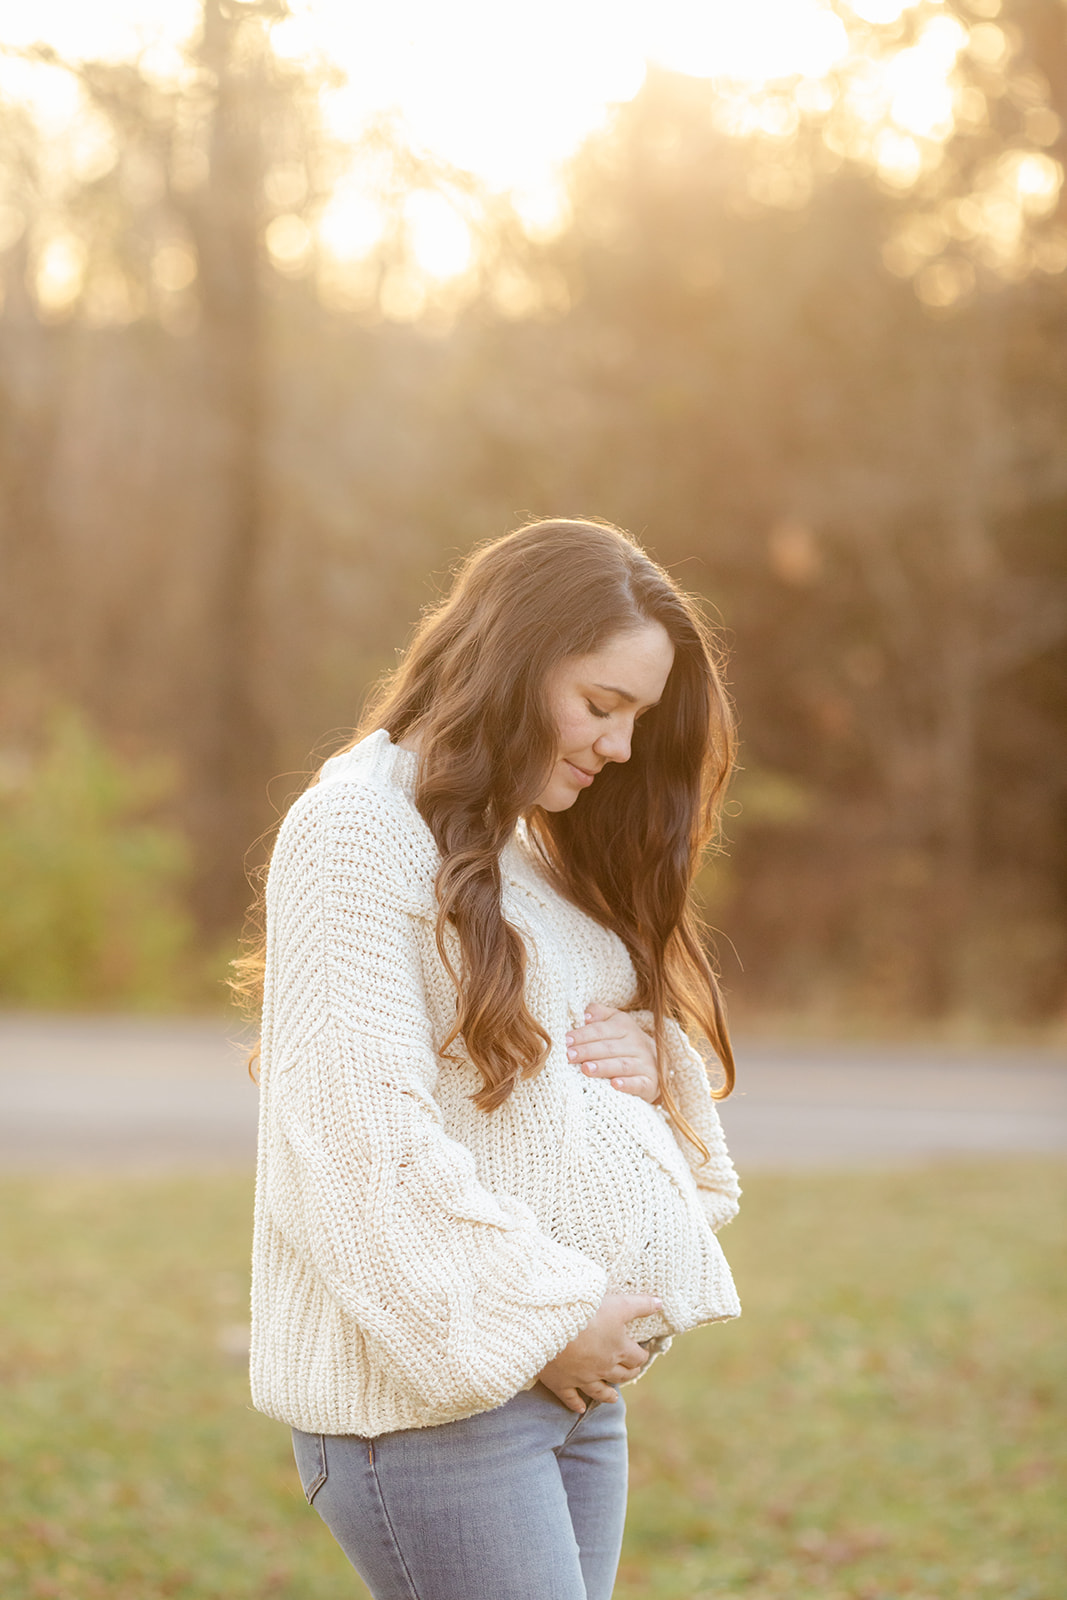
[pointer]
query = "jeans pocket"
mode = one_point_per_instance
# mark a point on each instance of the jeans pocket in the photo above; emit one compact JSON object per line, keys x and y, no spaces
{"x":309,"y":1451}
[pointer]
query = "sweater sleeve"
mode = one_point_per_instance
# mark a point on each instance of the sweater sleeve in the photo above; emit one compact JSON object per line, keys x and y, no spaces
{"x":459,"y":1294}
{"x":687,"y":1075}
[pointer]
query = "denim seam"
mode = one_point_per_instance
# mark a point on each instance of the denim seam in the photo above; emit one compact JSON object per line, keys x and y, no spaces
{"x":317,"y":1482}
{"x":389,"y":1523}
{"x":590,"y":1406}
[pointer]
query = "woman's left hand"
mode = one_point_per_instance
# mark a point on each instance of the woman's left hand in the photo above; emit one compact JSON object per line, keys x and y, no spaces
{"x":614,"y":1046}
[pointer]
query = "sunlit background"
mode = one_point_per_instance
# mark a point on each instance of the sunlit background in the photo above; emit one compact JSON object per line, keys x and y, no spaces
{"x":298,"y":302}
{"x":507,"y":96}
{"x":301,"y":299}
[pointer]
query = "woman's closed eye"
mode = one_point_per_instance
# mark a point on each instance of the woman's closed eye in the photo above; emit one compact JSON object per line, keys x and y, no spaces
{"x":597,"y":711}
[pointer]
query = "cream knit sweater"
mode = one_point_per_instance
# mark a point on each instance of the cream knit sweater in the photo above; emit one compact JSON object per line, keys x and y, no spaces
{"x":417,"y":1260}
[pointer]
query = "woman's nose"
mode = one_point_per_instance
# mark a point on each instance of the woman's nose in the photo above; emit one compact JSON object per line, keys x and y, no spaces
{"x":614,"y":745}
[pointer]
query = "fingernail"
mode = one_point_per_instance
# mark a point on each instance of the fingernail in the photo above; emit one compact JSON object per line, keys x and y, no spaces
{"x":588,"y":1066}
{"x":572,"y":1055}
{"x":570,"y":1038}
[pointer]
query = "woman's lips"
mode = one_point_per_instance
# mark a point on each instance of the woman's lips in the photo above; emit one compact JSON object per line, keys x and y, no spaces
{"x":579,"y":774}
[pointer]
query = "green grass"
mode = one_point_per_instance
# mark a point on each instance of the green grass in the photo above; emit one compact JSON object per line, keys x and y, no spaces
{"x":883,"y":1421}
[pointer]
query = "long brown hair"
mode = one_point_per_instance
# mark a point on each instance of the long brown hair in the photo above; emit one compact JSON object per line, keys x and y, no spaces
{"x":472,"y":686}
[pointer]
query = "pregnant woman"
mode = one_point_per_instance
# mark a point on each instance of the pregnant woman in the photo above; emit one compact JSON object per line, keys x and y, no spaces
{"x":490,"y":1163}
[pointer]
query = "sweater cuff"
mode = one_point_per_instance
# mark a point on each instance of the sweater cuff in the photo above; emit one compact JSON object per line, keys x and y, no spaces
{"x":555,"y":1332}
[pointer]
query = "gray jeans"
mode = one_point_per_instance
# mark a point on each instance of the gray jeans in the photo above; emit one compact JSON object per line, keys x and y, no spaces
{"x":525,"y":1502}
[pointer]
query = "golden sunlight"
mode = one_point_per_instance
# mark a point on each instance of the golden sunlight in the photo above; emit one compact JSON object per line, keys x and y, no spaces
{"x":753,"y":43}
{"x":507,"y":95}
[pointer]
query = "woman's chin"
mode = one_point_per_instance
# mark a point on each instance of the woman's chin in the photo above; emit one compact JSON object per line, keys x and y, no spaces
{"x":558,"y":797}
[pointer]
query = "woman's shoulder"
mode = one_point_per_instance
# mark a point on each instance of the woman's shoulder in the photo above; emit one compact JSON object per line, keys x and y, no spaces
{"x":360,"y":821}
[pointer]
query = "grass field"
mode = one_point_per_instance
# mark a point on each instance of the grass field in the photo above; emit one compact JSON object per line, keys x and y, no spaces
{"x":886,"y":1419}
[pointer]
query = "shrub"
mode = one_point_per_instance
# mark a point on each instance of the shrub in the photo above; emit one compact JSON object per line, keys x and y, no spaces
{"x":91,"y":878}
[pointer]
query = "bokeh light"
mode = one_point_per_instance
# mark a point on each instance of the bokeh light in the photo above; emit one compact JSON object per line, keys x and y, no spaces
{"x":501,"y":98}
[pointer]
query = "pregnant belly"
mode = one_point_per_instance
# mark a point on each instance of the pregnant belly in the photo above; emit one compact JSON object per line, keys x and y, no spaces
{"x":607,"y":1178}
{"x":641,"y":1215}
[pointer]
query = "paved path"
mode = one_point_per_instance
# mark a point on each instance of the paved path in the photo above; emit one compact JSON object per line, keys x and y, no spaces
{"x":844,"y":1105}
{"x":128,"y":1094}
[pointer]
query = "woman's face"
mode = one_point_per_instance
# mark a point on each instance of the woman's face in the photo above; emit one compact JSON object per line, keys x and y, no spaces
{"x":596,"y":701}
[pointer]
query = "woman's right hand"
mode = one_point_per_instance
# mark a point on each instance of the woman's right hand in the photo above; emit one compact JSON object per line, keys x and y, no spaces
{"x":601,"y":1355}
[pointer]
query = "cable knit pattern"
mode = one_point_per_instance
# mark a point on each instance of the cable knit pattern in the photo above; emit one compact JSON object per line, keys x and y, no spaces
{"x":417,"y":1260}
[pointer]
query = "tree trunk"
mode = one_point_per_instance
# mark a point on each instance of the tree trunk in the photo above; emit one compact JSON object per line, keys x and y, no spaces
{"x":234,"y":745}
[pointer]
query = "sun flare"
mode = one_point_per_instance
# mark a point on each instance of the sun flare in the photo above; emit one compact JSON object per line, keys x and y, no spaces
{"x":507,"y":94}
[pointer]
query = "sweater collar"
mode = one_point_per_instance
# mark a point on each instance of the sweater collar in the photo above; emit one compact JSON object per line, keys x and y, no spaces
{"x":378,"y":757}
{"x":374,"y":758}
{"x":403,"y":765}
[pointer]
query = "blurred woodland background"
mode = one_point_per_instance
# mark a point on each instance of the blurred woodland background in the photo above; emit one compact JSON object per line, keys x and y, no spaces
{"x":809,"y":343}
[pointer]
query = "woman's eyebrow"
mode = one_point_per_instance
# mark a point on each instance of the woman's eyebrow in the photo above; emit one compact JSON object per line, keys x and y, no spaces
{"x":623,"y":694}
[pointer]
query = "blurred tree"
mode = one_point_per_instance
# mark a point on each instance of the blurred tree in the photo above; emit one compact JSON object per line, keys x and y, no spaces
{"x":236,"y":754}
{"x":829,"y":387}
{"x":32,"y":363}
{"x":846,"y":459}
{"x":173,"y":228}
